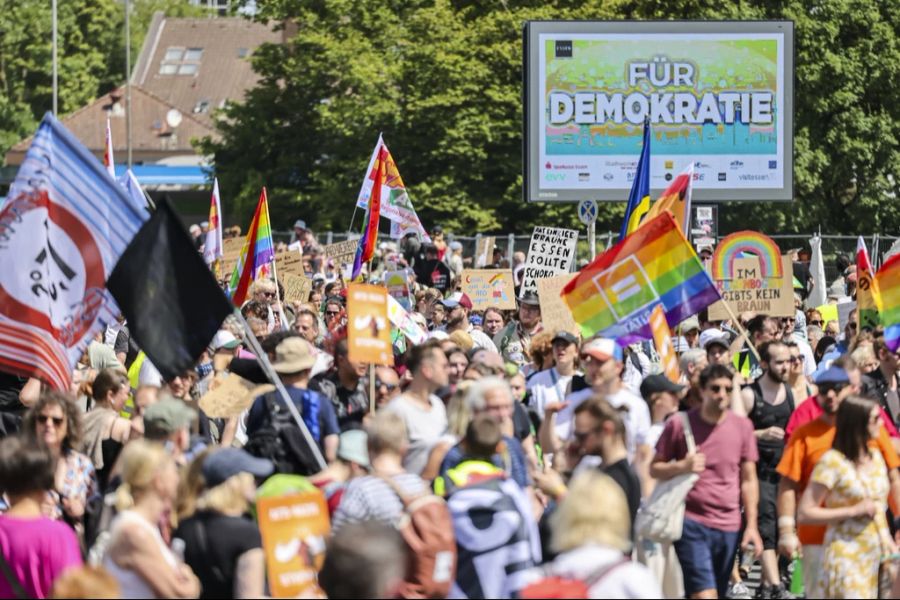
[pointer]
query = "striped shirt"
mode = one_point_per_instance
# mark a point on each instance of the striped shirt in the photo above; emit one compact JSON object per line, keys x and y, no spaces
{"x":369,"y":498}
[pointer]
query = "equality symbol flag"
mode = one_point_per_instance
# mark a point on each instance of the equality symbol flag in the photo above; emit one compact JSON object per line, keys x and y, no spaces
{"x":62,"y":229}
{"x":615,"y":294}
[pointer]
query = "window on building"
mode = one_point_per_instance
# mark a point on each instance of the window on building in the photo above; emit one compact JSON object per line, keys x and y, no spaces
{"x":181,"y":61}
{"x":242,"y":52}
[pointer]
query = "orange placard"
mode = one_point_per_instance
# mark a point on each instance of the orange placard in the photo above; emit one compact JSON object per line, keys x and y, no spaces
{"x":662,"y":337}
{"x":294,"y":529}
{"x":368,"y":328}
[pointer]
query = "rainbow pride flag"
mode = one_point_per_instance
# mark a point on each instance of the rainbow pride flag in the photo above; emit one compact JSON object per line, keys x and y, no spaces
{"x":888,"y":280}
{"x":366,"y":248}
{"x":257,"y":252}
{"x":867,"y":289}
{"x":615,"y":294}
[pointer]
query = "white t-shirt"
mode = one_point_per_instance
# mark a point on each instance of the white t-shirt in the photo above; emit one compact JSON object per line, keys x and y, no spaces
{"x":636,"y":419}
{"x":545,"y":387}
{"x":424,"y":428}
{"x":481,"y":340}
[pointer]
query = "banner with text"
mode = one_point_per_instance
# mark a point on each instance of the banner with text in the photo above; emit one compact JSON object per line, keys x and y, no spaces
{"x":489,"y":287}
{"x":550,"y":252}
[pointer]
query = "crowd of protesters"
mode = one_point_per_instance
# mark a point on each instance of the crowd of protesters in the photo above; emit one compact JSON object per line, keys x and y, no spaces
{"x":544,"y":448}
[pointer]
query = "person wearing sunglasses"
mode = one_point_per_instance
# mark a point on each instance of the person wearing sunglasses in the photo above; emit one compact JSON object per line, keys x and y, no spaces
{"x":806,"y":446}
{"x":814,"y":317}
{"x":725,"y":459}
{"x":387,"y":386}
{"x":55,"y":422}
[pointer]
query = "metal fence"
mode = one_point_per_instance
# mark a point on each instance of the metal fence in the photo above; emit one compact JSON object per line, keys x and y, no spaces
{"x":832,"y":245}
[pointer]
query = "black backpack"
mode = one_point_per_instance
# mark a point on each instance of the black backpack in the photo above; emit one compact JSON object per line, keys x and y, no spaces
{"x":280,"y":440}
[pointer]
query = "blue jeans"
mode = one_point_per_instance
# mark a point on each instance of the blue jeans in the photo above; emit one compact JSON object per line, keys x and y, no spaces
{"x":706,"y":556}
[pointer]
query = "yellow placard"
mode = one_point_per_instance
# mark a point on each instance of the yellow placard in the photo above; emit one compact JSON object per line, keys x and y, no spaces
{"x":294,"y":529}
{"x":368,"y":328}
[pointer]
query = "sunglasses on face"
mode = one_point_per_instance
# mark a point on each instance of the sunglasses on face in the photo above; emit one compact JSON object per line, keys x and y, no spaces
{"x":388,"y":386}
{"x":45,"y":419}
{"x":817,"y":323}
{"x":719,"y":388}
{"x":268,"y":294}
{"x":332,"y":313}
{"x":832,"y":387}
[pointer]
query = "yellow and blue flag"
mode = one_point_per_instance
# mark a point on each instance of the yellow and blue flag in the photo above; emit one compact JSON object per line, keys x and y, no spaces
{"x":639,"y":198}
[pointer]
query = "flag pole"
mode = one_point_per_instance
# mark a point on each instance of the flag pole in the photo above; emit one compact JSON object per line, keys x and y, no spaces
{"x":276,"y":380}
{"x":281,"y":316}
{"x":742,"y":331}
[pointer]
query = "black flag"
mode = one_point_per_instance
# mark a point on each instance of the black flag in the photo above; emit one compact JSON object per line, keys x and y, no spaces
{"x":168,"y":295}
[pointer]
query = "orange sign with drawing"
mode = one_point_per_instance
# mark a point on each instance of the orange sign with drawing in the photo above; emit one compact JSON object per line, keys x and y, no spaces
{"x":294,"y":529}
{"x":368,"y":327}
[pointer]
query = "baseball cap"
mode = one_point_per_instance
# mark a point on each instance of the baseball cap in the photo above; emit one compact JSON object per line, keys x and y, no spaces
{"x":654,"y":384}
{"x":565,"y":336}
{"x":602,"y":349}
{"x":292,"y":356}
{"x":458,"y":299}
{"x":168,"y":416}
{"x":530,"y":298}
{"x":713,"y":336}
{"x":224,"y":339}
{"x":300,"y":224}
{"x":353,"y":447}
{"x":833,"y":375}
{"x":223,"y":464}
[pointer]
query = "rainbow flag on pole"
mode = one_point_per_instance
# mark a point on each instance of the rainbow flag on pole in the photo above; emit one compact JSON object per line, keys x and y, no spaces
{"x":888,"y":281}
{"x":615,"y":295}
{"x":213,"y":248}
{"x":257,"y":252}
{"x":366,"y":248}
{"x":867,"y":290}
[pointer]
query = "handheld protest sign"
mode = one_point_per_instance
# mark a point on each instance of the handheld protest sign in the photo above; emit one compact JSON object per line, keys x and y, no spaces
{"x":751,"y":275}
{"x":230,"y":395}
{"x":397,"y":283}
{"x":555,"y":314}
{"x":294,"y":529}
{"x":489,"y":287}
{"x":403,"y":322}
{"x":296,"y":287}
{"x":550,"y":252}
{"x":368,"y":328}
{"x":484,"y":251}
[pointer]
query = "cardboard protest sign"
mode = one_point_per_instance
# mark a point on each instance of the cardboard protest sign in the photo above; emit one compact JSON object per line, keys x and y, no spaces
{"x":231,"y":247}
{"x":296,"y":287}
{"x":341,"y":253}
{"x":662,"y":338}
{"x":403,"y":322}
{"x":844,"y":309}
{"x":289,"y":262}
{"x":489,"y":287}
{"x":555,"y":315}
{"x":551,"y":252}
{"x":749,"y":291}
{"x":230,"y":395}
{"x":397,"y":284}
{"x":484,"y":251}
{"x":368,"y":331}
{"x":294,"y":529}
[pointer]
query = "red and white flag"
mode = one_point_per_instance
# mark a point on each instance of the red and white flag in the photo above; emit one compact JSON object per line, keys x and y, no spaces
{"x":108,"y":160}
{"x":213,"y":249}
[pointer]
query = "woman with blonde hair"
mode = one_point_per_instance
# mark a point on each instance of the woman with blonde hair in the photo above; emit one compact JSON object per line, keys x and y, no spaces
{"x":137,"y":556}
{"x":221,"y":545}
{"x":592,"y":533}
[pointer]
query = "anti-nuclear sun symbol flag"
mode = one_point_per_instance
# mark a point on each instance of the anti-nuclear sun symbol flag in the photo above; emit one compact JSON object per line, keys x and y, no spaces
{"x":63,"y":227}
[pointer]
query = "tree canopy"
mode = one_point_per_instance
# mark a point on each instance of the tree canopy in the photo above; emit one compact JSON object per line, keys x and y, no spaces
{"x":442,"y":79}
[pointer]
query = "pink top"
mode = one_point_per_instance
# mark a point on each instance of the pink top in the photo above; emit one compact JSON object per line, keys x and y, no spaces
{"x":809,"y":410}
{"x":715,"y":500}
{"x":38,"y":551}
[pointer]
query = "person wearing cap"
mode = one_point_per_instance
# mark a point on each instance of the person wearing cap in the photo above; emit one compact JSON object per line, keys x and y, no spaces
{"x":689,"y":332}
{"x":662,"y":396}
{"x":716,"y":344}
{"x":551,"y":386}
{"x":293,"y":362}
{"x":352,"y":462}
{"x":221,"y":545}
{"x":168,"y":421}
{"x":806,"y":445}
{"x":601,"y":359}
{"x":514,"y":340}
{"x":458,"y":307}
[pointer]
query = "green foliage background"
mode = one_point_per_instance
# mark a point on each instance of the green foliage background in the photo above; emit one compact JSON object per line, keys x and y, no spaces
{"x":442,"y":80}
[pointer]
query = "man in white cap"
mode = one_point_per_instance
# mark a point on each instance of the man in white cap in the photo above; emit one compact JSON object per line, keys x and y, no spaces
{"x":458,"y":307}
{"x":716,"y":343}
{"x":601,"y":359}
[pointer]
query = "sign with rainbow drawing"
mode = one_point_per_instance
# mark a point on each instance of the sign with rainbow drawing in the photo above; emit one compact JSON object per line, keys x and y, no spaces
{"x":717,"y":94}
{"x":489,"y":287}
{"x":752,"y":276}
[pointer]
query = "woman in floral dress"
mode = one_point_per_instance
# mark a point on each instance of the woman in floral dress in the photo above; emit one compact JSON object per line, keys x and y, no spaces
{"x":848,"y":492}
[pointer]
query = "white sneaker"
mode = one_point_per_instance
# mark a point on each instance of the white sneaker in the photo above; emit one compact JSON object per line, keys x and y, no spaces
{"x":739,"y":590}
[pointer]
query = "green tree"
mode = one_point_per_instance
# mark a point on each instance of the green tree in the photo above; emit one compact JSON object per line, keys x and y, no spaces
{"x":442,"y":80}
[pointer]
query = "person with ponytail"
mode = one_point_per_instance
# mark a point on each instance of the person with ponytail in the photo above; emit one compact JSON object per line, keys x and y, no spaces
{"x":105,"y":432}
{"x":139,"y":559}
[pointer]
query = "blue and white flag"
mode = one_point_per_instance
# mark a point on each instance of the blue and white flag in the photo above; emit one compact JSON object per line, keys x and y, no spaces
{"x":63,"y":227}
